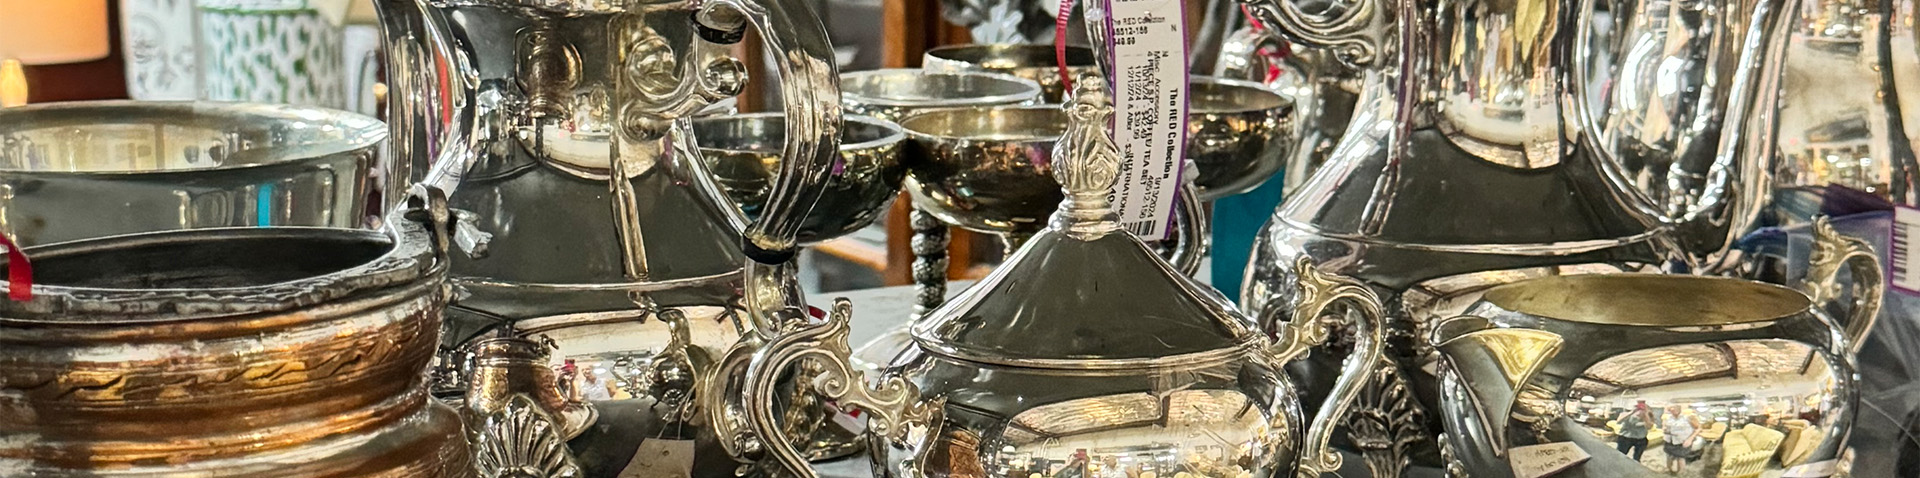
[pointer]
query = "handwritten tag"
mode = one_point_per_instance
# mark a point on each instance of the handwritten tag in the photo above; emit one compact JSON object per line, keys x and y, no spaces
{"x":1149,"y":50}
{"x":661,"y":458}
{"x":1536,"y":461}
{"x":1821,"y":469}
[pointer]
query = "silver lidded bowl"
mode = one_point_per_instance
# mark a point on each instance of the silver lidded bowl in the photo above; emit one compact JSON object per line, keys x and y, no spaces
{"x":84,"y":170}
{"x":1038,"y":63}
{"x":231,"y":352}
{"x":1083,"y":339}
{"x":742,"y":153}
{"x":892,"y":94}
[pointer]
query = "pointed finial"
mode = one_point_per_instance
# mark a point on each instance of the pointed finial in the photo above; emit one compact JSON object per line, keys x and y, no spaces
{"x":1086,"y":161}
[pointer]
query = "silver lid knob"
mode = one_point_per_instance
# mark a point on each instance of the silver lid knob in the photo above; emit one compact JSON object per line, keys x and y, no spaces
{"x":1086,"y":162}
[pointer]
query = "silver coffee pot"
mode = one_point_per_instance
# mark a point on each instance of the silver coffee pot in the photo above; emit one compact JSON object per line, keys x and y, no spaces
{"x":1083,"y":341}
{"x":1472,"y":160}
{"x":1553,"y":360}
{"x":592,"y":232}
{"x":1698,"y":145}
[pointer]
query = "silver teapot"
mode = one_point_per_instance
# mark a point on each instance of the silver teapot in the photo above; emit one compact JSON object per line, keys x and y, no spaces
{"x":1084,"y":350}
{"x":593,"y":234}
{"x":1550,"y":360}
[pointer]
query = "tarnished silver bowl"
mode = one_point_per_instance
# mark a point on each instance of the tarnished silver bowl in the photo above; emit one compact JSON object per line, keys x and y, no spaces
{"x":743,"y":154}
{"x":232,"y":352}
{"x":892,"y":94}
{"x":1038,"y":63}
{"x":1238,"y":134}
{"x":72,"y":171}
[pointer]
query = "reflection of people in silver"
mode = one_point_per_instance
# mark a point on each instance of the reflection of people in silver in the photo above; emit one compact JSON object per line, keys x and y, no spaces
{"x":1633,"y":430}
{"x":1681,"y":431}
{"x":594,"y":390}
{"x":1076,"y":466}
{"x":1110,"y":467}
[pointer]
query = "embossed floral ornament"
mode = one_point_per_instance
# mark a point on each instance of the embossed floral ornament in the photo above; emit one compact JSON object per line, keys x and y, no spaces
{"x":520,"y":441}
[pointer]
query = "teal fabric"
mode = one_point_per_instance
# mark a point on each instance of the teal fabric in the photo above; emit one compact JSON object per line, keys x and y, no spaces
{"x":1236,"y":220}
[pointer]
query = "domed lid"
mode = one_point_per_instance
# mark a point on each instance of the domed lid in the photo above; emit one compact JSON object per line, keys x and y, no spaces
{"x":1083,"y":293}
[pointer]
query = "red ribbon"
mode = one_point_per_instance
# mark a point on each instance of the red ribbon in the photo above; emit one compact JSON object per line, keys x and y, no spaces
{"x":1060,"y":43}
{"x":1273,"y":57}
{"x":19,"y":272}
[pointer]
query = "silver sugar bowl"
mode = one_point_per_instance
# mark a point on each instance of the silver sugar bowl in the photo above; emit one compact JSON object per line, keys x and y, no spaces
{"x":1085,"y":338}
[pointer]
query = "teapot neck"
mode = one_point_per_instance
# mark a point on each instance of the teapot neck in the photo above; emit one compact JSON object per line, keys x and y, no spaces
{"x":1497,"y":77}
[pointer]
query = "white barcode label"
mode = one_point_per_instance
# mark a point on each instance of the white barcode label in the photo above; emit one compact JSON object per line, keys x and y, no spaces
{"x":1902,"y":263}
{"x":1140,"y":228}
{"x":1149,"y":42}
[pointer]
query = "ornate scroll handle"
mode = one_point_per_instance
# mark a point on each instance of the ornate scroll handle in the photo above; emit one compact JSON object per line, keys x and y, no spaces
{"x":427,"y":205}
{"x":1190,"y":229}
{"x":419,"y":43}
{"x":1350,"y":33}
{"x":1831,"y":251}
{"x":894,"y":408}
{"x":1310,"y":327}
{"x":796,"y":42}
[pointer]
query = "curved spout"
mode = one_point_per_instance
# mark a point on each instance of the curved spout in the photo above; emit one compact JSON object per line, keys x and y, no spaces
{"x":1493,"y":364}
{"x":1698,"y":145}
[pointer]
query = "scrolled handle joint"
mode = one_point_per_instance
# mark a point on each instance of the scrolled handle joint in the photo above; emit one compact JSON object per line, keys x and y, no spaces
{"x":1832,"y":252}
{"x":893,"y":406}
{"x":1318,"y":293}
{"x":1346,"y":32}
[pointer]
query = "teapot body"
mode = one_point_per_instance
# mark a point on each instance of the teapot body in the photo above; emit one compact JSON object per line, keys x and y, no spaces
{"x":592,"y":231}
{"x":1230,"y":416}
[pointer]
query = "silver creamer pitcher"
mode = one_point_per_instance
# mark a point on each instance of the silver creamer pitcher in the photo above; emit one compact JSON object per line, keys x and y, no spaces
{"x":1555,"y":360}
{"x":1472,"y":160}
{"x":603,"y":270}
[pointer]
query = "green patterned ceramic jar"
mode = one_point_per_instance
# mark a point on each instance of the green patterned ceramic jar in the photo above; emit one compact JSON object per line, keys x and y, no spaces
{"x":272,"y":51}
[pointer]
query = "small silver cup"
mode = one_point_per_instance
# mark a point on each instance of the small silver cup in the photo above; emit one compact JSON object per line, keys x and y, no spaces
{"x":1039,"y":63}
{"x":743,"y":154}
{"x":1237,"y":134}
{"x":893,"y":94}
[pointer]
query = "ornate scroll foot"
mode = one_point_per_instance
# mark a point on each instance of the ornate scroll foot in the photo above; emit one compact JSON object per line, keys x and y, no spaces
{"x":520,"y":440}
{"x":1386,"y":422}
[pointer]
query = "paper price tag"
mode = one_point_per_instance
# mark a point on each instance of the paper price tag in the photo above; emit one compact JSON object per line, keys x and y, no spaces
{"x":1903,"y":267}
{"x":1149,"y":50}
{"x":661,"y":458}
{"x":1536,"y":461}
{"x":1822,"y":469}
